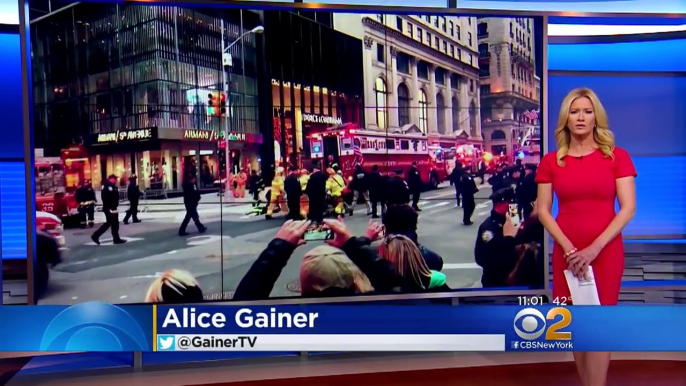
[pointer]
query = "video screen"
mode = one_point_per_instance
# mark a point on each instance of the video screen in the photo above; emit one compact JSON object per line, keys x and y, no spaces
{"x":185,"y":154}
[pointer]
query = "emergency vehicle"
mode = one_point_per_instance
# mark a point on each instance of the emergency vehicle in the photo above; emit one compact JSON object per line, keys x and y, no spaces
{"x":350,"y":146}
{"x":530,"y":147}
{"x":57,"y":179}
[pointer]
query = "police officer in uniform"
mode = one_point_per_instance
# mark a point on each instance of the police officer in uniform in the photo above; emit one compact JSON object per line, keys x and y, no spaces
{"x":291,"y":185}
{"x":495,"y":249}
{"x":191,"y":199}
{"x":316,"y":194}
{"x":85,"y":199}
{"x":397,"y":190}
{"x":360,"y":187}
{"x":110,"y":202}
{"x":467,"y":189}
{"x":414,"y":182}
{"x":255,"y":185}
{"x":134,"y":195}
{"x":375,"y":183}
{"x":455,"y":180}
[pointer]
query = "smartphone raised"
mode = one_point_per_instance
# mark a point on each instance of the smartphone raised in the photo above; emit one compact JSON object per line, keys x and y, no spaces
{"x":513,"y":212}
{"x":318,"y":233}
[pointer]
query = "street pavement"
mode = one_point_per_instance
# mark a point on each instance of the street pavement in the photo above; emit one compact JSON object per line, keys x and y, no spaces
{"x":123,"y":273}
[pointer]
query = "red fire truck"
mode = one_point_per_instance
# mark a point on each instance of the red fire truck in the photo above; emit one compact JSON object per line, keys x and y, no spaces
{"x":530,"y":147}
{"x":57,"y":179}
{"x":349,"y":146}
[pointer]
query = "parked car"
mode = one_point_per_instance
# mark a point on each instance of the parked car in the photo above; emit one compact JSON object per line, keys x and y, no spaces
{"x":51,"y":224}
{"x":47,"y":256}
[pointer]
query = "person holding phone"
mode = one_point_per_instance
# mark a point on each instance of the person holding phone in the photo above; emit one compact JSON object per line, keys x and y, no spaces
{"x":496,"y":245}
{"x":588,"y":173}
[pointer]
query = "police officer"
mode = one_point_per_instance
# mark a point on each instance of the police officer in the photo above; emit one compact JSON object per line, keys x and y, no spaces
{"x":291,"y":186}
{"x":456,"y":180}
{"x":316,"y":194}
{"x":255,"y":185}
{"x":495,"y":249}
{"x":110,"y":202}
{"x":468,"y":189}
{"x":191,"y":199}
{"x":375,"y":183}
{"x":496,"y":180}
{"x":134,"y":195}
{"x":397,"y":190}
{"x":360,"y":187}
{"x":85,"y":199}
{"x":414,"y":182}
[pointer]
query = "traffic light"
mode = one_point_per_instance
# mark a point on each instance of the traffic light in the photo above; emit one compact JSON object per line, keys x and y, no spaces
{"x":211,"y":104}
{"x":222,"y":104}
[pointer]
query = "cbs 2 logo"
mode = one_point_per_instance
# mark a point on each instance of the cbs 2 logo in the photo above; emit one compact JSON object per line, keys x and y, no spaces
{"x":530,"y":324}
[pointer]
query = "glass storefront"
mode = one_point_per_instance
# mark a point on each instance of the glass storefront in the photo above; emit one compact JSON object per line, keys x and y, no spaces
{"x":322,"y":75}
{"x":103,"y":68}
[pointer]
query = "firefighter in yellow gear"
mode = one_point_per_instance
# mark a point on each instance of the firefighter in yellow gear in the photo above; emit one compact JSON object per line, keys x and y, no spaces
{"x":335,"y":185}
{"x":304,"y":201}
{"x":277,"y":194}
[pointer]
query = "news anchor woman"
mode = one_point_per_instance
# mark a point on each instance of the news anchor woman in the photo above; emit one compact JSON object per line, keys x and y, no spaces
{"x":587,"y":173}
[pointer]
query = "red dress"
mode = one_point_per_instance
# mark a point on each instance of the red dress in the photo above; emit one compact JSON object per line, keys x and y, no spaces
{"x":586,"y":192}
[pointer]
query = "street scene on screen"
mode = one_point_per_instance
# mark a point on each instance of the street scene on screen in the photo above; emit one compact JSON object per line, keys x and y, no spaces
{"x":172,"y":143}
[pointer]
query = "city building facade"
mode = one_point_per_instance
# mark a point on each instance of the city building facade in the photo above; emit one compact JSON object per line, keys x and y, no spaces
{"x":510,"y":87}
{"x":131,"y":83}
{"x":315,"y":77}
{"x":420,"y":74}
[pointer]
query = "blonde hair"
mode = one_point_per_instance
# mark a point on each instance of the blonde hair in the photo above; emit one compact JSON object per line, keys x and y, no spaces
{"x":325,"y":266}
{"x":406,"y":257}
{"x":175,"y":279}
{"x":601,"y":132}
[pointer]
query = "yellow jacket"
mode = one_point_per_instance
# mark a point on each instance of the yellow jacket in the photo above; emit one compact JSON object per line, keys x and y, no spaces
{"x":277,"y":186}
{"x":304,"y":179}
{"x":335,"y":184}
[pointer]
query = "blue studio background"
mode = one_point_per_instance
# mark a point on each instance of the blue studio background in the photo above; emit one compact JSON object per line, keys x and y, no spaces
{"x":642,"y":85}
{"x":12,"y":181}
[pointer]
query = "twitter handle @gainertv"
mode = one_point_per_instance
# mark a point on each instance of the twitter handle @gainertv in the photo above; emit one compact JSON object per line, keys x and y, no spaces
{"x":541,"y":346}
{"x":329,"y":342}
{"x":205,"y":342}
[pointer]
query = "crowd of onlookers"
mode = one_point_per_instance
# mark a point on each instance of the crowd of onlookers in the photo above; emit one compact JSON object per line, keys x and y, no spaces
{"x":388,"y":258}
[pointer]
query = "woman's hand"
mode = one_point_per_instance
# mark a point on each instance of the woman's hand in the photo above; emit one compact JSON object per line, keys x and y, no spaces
{"x":578,"y":262}
{"x":292,"y":232}
{"x":341,"y":233}
{"x":374,"y":230}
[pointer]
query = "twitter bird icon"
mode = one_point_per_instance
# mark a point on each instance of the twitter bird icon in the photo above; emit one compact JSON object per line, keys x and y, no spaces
{"x":166,"y":343}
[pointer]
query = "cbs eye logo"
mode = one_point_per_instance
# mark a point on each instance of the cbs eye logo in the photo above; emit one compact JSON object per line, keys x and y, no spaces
{"x":530,"y":324}
{"x":94,"y":326}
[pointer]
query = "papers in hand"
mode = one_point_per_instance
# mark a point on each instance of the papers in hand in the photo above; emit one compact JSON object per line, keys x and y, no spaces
{"x":584,"y":292}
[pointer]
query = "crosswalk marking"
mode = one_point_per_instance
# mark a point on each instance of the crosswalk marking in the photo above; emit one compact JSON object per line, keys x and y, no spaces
{"x":436,"y":205}
{"x":449,"y":266}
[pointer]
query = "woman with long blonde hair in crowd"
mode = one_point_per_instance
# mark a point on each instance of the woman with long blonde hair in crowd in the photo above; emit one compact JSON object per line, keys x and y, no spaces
{"x":587,"y":173}
{"x":174,"y":286}
{"x":407,"y":259}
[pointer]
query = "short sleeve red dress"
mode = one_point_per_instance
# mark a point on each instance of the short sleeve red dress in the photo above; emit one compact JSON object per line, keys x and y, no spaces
{"x":586,"y":193}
